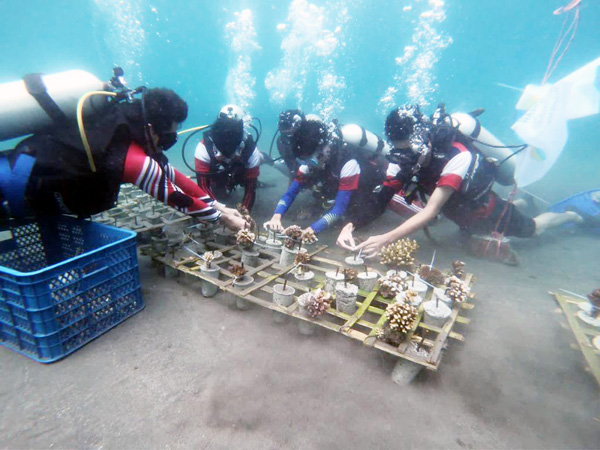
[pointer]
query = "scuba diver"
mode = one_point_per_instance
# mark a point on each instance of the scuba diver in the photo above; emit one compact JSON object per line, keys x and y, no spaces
{"x":289,"y":122}
{"x":431,"y":159}
{"x":227,"y":157}
{"x":63,"y":170}
{"x":341,"y":164}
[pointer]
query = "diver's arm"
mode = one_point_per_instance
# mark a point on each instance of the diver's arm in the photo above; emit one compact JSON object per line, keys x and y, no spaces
{"x":438,"y":199}
{"x":342,"y":199}
{"x":283,"y":205}
{"x":250,"y":187}
{"x":144,"y":172}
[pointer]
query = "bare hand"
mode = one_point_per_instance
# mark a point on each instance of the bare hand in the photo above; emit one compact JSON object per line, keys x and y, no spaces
{"x":371,"y":247}
{"x":233,"y":222}
{"x":274,"y":224}
{"x":345,"y":238}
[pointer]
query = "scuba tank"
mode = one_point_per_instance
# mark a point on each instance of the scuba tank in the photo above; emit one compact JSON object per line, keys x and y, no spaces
{"x":491,"y":147}
{"x":38,"y":102}
{"x":363,"y":139}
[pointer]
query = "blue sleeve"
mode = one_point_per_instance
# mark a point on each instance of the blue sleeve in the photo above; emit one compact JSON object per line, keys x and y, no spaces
{"x":342,"y":199}
{"x":288,"y":198}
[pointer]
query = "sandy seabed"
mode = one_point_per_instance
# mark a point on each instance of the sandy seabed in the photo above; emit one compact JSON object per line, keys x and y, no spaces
{"x":189,"y":372}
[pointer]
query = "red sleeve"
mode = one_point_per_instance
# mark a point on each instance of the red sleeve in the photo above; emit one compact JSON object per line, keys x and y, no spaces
{"x":202,"y":169}
{"x":393,"y":183}
{"x":148,"y":175}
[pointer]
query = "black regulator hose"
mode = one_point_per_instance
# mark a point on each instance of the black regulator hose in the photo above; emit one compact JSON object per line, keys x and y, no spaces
{"x":272,"y":142}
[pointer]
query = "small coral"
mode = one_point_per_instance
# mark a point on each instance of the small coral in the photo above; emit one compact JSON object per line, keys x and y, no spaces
{"x":400,"y":253}
{"x":401,"y":317}
{"x":432,"y":275}
{"x":245,"y":238}
{"x":594,"y":299}
{"x":309,"y":236}
{"x":316,"y":302}
{"x":350,"y":274}
{"x":390,"y":286}
{"x":293,"y":232}
{"x":289,"y":243}
{"x":458,"y":269}
{"x":237,"y":270}
{"x":246,"y":215}
{"x":302,"y":258}
{"x":208,"y":258}
{"x":410,"y":296}
{"x":456,"y":289}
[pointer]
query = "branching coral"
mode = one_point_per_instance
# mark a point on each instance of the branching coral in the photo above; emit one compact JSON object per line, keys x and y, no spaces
{"x":411,"y":296}
{"x":246,"y":215}
{"x":300,"y":260}
{"x":350,"y":274}
{"x":309,"y":236}
{"x":208,"y":258}
{"x":399,"y":253}
{"x":401,"y":316}
{"x":458,"y":268}
{"x":237,"y":270}
{"x":289,"y":243}
{"x":315,"y":303}
{"x":294,"y":232}
{"x":456,"y":289}
{"x":245,"y":238}
{"x":390,"y":286}
{"x":432,"y":275}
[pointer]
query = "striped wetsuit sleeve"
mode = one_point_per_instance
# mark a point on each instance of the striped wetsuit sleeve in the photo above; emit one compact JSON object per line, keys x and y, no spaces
{"x":288,"y":198}
{"x":147,"y":174}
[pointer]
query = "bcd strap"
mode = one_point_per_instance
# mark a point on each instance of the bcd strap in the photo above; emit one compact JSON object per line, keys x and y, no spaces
{"x":14,"y":182}
{"x":363,"y":139}
{"x":36,"y":87}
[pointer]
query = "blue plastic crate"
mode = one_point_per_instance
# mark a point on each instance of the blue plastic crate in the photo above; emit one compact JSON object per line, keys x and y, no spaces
{"x":64,"y":282}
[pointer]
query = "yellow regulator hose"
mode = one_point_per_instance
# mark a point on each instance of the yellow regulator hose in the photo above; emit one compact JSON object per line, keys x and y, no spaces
{"x":189,"y":130}
{"x":84,"y":139}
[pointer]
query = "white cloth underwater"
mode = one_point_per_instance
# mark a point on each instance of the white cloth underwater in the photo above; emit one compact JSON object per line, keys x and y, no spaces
{"x":544,"y":124}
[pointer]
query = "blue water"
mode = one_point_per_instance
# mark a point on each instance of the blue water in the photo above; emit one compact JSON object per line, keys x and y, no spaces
{"x":186,"y":45}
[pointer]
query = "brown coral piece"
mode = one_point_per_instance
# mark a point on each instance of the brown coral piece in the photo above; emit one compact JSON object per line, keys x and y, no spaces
{"x":289,"y":243}
{"x":293,"y":232}
{"x":315,"y":303}
{"x":237,"y":270}
{"x":350,"y":274}
{"x":458,"y":268}
{"x":246,"y":216}
{"x":401,"y":316}
{"x":302,"y":258}
{"x":399,"y":253}
{"x":432,"y":275}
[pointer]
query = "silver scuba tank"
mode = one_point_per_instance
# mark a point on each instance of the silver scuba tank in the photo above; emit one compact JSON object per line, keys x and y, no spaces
{"x":39,"y":101}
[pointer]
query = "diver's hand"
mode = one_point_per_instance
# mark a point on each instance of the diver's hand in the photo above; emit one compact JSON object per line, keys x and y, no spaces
{"x":345,"y":238}
{"x":225,"y":210}
{"x":371,"y":247}
{"x":274,"y":224}
{"x":233,"y":222}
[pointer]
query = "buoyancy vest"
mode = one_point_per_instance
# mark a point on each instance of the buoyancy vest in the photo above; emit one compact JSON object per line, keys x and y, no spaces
{"x":326,"y":180}
{"x":475,"y":186}
{"x":61,"y":180}
{"x":234,"y":170}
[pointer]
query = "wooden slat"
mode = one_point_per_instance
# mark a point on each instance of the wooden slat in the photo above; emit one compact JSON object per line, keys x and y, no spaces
{"x":568,"y":305}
